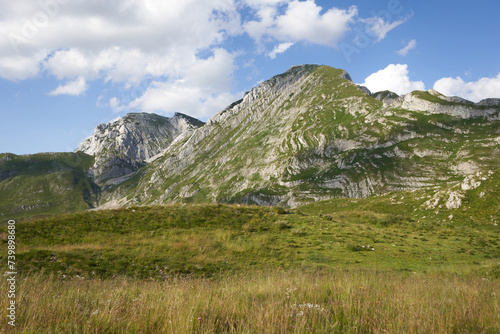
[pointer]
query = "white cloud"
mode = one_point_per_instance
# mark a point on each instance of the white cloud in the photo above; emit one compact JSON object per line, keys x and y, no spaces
{"x":395,"y":78}
{"x":475,"y":91}
{"x":123,"y":41}
{"x":131,"y":42}
{"x":68,"y":64}
{"x":214,"y":72}
{"x":201,"y":89}
{"x":116,"y":106}
{"x":410,"y":46}
{"x":302,"y":21}
{"x":262,"y":27}
{"x":169,"y":97}
{"x":264,"y":3}
{"x":260,"y":3}
{"x":278,"y":49}
{"x":305,"y":21}
{"x":379,"y":28}
{"x":74,"y":88}
{"x":16,"y":68}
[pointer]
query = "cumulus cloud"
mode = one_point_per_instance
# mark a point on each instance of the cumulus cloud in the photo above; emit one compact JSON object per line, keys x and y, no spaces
{"x":297,"y":21}
{"x":475,"y":91}
{"x":17,"y":68}
{"x":301,"y":21}
{"x":173,"y":44}
{"x":68,"y":64}
{"x":262,"y":3}
{"x":278,"y":49}
{"x":200,"y":89}
{"x":122,"y":41}
{"x":116,"y":106}
{"x":74,"y":88}
{"x":193,"y":100}
{"x":410,"y":46}
{"x":395,"y":78}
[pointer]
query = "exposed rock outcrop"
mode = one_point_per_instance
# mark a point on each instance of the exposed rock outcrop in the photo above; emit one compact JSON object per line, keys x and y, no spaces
{"x":433,"y":102}
{"x":386,"y":97}
{"x":121,"y":147}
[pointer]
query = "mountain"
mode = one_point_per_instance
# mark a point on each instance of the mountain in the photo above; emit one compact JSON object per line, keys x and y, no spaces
{"x":307,"y":135}
{"x":120,"y":148}
{"x":311,"y":134}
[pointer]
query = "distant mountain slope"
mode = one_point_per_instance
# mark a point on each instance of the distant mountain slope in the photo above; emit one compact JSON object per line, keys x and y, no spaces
{"x":311,"y":134}
{"x":46,"y":183}
{"x":121,"y":147}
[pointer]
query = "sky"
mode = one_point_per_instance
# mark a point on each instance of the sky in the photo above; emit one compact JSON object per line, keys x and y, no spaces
{"x":68,"y":65}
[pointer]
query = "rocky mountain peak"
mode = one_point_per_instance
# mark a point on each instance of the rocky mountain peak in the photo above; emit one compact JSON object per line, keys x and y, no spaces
{"x":268,"y":89}
{"x":346,"y":76}
{"x":121,"y":147}
{"x":386,"y":97}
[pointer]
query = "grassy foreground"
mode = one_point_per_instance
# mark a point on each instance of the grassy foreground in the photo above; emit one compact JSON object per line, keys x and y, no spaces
{"x":278,"y":301}
{"x":246,"y":269}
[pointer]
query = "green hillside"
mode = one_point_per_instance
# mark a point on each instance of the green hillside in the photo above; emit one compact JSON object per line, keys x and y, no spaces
{"x":384,"y":263}
{"x":207,"y":240}
{"x":45,"y":184}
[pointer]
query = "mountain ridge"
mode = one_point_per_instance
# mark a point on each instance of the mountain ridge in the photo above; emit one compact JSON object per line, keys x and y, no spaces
{"x":306,"y":135}
{"x":356,"y":104}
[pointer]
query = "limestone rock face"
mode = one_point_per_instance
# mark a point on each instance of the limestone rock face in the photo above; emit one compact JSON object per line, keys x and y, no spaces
{"x":121,"y":147}
{"x":433,"y":102}
{"x":489,"y":103}
{"x":366,"y":90}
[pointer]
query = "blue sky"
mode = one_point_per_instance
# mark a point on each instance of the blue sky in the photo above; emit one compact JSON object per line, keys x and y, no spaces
{"x":68,"y":65}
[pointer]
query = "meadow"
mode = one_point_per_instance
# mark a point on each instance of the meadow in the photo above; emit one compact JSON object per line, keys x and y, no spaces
{"x":322,"y":268}
{"x":276,"y":301}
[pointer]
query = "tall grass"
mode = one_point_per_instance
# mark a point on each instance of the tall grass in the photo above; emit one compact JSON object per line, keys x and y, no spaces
{"x":239,"y":269}
{"x":277,"y":301}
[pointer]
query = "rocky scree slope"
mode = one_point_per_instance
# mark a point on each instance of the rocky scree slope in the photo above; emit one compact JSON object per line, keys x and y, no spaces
{"x":120,"y":148}
{"x":311,"y":134}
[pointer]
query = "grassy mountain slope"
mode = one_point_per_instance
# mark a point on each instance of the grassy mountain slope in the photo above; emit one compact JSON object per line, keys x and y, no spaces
{"x":343,"y":265}
{"x":46,"y":184}
{"x":480,"y":205}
